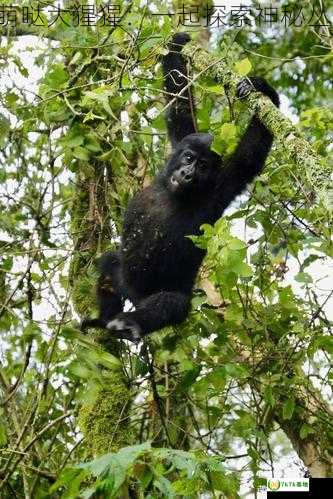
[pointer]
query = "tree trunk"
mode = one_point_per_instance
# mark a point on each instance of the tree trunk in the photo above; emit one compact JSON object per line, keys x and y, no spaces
{"x":104,"y":422}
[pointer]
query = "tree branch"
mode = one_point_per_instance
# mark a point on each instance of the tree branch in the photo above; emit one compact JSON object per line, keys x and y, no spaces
{"x":314,"y":175}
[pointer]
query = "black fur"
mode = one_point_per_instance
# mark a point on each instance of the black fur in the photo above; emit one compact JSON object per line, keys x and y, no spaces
{"x":156,"y":264}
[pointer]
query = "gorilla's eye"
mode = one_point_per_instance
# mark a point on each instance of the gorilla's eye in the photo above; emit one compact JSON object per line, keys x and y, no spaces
{"x":189,"y":157}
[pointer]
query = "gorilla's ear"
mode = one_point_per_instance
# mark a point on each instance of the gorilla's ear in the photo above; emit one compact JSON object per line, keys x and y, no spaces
{"x":207,"y":139}
{"x":178,"y":41}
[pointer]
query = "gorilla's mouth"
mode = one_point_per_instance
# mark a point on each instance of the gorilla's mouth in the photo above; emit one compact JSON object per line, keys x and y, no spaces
{"x":181,"y":179}
{"x":174,"y":183}
{"x":178,"y":184}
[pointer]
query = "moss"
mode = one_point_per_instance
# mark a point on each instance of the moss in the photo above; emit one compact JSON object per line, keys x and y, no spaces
{"x":84,"y":295}
{"x":82,"y":274}
{"x":80,"y":206}
{"x":104,"y":422}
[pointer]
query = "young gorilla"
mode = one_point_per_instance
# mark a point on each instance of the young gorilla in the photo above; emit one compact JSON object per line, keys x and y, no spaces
{"x":157,"y":264}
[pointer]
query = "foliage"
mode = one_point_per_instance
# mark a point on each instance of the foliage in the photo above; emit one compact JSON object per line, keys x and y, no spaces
{"x":241,"y":389}
{"x":151,"y":471}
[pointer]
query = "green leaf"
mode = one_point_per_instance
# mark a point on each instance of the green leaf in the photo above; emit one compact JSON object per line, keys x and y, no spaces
{"x":70,"y":333}
{"x":92,"y":144}
{"x":216,"y":89}
{"x":303,"y":277}
{"x":164,"y":486}
{"x":81,"y":153}
{"x":189,"y":379}
{"x":100,"y":95}
{"x":104,"y":358}
{"x":306,"y":430}
{"x":186,"y":486}
{"x":73,"y":141}
{"x":324,"y":342}
{"x":228,"y":131}
{"x":31,"y":331}
{"x":217,"y":145}
{"x":269,"y":396}
{"x":236,"y":244}
{"x":57,"y":76}
{"x":78,"y":369}
{"x":236,"y":370}
{"x":4,"y":129}
{"x":226,"y":483}
{"x":288,"y":408}
{"x":158,"y":122}
{"x":71,"y":479}
{"x":218,"y":377}
{"x":7,"y":263}
{"x":114,"y":466}
{"x":243,"y":67}
{"x":242,"y":269}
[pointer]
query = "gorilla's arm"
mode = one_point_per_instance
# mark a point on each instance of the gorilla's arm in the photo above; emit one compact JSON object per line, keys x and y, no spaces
{"x":180,"y":117}
{"x":249,"y":158}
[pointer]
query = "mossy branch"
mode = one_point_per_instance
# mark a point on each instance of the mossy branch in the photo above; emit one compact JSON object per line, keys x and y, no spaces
{"x":105,"y":420}
{"x":313,"y":172}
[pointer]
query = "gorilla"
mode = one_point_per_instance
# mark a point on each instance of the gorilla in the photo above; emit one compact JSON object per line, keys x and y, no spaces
{"x":156,"y":264}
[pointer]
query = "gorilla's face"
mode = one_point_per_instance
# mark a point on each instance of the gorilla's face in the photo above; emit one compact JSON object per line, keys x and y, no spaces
{"x":193,"y":167}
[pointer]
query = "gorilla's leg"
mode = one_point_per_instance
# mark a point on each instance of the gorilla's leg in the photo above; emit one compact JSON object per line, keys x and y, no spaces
{"x":109,"y":297}
{"x":152,"y":313}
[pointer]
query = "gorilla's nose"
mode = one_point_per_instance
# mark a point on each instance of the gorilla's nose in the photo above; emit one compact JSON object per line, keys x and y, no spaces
{"x":186,"y":174}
